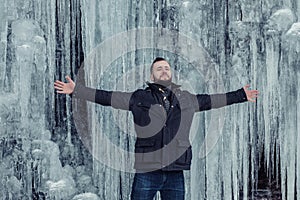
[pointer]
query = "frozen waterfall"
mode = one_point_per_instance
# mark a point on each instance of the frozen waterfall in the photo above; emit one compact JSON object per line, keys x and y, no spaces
{"x":213,"y":46}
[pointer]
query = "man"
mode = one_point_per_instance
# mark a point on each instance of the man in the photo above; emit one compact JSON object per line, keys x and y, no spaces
{"x":162,"y":116}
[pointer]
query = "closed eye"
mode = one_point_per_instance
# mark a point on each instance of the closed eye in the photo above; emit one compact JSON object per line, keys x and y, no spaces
{"x":167,"y":68}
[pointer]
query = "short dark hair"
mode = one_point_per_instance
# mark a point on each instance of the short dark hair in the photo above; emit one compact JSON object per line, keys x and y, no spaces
{"x":157,"y":59}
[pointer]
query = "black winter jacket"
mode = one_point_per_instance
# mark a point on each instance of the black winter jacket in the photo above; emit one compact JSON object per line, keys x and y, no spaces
{"x":162,"y":137}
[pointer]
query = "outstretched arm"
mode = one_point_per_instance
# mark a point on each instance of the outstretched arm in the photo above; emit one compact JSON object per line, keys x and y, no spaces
{"x":64,"y":88}
{"x":207,"y":102}
{"x":81,"y":92}
{"x":119,"y":100}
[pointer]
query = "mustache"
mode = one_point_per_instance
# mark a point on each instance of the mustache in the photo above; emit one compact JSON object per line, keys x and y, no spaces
{"x":164,"y":74}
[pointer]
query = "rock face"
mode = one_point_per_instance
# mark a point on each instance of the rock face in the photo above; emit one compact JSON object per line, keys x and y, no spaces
{"x":251,"y":149}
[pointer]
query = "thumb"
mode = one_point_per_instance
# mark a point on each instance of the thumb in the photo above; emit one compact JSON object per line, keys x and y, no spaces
{"x":246,"y":86}
{"x":69,"y":79}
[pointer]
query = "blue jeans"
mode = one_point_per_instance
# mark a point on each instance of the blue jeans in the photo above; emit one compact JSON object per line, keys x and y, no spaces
{"x":169,"y":184}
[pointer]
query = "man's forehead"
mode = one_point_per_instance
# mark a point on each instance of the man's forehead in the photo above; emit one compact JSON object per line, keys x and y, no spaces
{"x":162,"y":63}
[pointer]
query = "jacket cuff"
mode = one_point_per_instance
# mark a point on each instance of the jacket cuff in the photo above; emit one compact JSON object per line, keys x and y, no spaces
{"x":238,"y":96}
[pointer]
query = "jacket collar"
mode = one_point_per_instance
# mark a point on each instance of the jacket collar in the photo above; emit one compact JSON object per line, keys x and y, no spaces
{"x":156,"y":87}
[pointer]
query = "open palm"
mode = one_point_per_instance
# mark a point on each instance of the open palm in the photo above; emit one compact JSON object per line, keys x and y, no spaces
{"x":64,"y":88}
{"x":251,"y":94}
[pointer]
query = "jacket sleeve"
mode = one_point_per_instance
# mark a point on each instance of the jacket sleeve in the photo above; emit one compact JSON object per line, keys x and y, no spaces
{"x":118,"y":100}
{"x":207,"y":102}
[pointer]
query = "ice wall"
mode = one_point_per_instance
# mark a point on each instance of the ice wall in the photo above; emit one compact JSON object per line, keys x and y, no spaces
{"x":256,"y":42}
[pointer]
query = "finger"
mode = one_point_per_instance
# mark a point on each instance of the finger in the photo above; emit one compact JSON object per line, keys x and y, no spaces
{"x":59,"y":83}
{"x":254,"y":93}
{"x":58,"y":88}
{"x":60,"y":92}
{"x":252,"y":100}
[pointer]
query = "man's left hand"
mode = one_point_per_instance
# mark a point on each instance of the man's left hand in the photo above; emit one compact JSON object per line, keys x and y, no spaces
{"x":251,"y":94}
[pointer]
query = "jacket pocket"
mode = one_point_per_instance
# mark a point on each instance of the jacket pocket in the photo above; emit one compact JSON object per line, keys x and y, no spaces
{"x":144,"y":143}
{"x":143,"y":105}
{"x":141,"y":114}
{"x":184,"y":152}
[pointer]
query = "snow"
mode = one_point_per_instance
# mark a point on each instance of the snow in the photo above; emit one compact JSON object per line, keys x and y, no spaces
{"x":86,"y":196}
{"x":281,"y":20}
{"x":294,"y":30}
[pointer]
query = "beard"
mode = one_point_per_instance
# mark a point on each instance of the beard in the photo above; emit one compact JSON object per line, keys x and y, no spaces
{"x":165,"y":83}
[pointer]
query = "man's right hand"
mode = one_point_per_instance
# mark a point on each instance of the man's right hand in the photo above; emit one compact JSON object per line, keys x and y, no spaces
{"x":64,"y":88}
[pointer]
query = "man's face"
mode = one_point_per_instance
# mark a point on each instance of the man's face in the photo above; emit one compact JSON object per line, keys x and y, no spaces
{"x":161,"y":71}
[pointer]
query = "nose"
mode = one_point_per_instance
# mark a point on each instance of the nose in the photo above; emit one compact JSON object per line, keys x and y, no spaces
{"x":164,"y":70}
